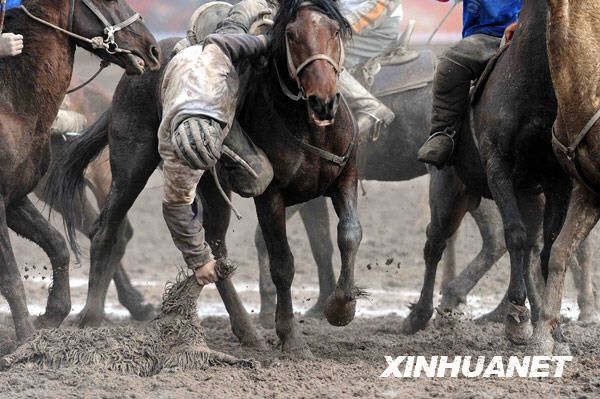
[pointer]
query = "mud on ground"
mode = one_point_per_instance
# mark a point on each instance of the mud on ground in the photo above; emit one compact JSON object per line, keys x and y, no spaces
{"x":348,"y":361}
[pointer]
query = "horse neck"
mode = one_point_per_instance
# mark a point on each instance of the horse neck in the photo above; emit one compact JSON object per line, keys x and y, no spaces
{"x":574,"y":53}
{"x":530,"y":40}
{"x":38,"y":79}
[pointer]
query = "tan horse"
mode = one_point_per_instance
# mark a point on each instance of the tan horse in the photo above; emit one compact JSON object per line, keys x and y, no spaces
{"x":574,"y":56}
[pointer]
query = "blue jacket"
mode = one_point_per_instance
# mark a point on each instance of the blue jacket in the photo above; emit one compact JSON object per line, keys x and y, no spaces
{"x":12,"y":4}
{"x":489,"y":17}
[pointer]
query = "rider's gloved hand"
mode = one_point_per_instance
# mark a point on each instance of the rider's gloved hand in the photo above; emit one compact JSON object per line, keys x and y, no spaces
{"x":10,"y":44}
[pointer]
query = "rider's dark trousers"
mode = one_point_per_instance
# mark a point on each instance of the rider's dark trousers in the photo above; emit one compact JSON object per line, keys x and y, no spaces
{"x":456,"y":69}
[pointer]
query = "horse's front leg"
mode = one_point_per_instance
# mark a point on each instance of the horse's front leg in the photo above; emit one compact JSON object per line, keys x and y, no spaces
{"x":270,"y":208}
{"x":341,"y":305}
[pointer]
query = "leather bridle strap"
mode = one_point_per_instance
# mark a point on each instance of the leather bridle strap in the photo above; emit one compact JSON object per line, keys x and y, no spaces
{"x":571,"y":151}
{"x":107,"y":44}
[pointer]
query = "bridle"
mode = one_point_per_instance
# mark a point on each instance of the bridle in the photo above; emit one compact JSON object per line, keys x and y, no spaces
{"x":295,"y":71}
{"x":106,"y":42}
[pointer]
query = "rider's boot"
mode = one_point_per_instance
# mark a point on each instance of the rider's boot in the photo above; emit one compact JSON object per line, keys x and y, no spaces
{"x":438,"y":149}
{"x":372,"y":116}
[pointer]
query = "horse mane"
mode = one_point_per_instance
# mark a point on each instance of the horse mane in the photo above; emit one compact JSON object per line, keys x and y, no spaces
{"x":287,"y":12}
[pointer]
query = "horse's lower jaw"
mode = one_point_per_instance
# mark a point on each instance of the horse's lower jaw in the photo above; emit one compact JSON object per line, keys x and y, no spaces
{"x":316,"y":121}
{"x":134,"y":65}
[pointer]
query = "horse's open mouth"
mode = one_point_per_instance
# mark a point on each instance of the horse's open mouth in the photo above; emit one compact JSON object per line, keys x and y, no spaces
{"x":134,"y":64}
{"x":317,"y":121}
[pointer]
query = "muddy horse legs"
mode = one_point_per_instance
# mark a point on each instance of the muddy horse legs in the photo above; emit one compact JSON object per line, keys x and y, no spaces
{"x":216,"y":217}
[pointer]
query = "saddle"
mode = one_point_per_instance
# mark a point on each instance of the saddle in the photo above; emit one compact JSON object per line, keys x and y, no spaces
{"x":397,"y":73}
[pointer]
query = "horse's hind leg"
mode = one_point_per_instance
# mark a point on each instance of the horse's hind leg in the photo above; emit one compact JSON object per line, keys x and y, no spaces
{"x":316,"y":221}
{"x":582,"y":215}
{"x":449,"y":261}
{"x":25,"y":220}
{"x":216,"y":217}
{"x":11,"y":285}
{"x":270,"y":208}
{"x":448,"y":203}
{"x":488,"y":221}
{"x":582,"y":269}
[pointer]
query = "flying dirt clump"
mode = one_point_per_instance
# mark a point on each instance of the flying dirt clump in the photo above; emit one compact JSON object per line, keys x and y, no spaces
{"x":174,"y":340}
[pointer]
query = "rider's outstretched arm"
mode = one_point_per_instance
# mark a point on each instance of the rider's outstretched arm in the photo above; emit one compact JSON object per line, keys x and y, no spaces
{"x":369,"y":14}
{"x":239,"y":47}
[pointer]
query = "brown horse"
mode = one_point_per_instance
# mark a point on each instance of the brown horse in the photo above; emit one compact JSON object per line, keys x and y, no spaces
{"x":33,"y":87}
{"x":290,"y":131}
{"x":573,"y":55}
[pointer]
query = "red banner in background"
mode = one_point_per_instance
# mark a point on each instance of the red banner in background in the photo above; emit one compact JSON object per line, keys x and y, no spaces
{"x":170,"y":17}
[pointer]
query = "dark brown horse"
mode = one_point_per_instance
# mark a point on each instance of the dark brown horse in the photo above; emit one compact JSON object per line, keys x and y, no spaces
{"x":33,"y":86}
{"x":290,"y":132}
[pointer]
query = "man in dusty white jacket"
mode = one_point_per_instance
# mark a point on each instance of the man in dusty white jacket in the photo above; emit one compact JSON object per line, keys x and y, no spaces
{"x":200,"y":90}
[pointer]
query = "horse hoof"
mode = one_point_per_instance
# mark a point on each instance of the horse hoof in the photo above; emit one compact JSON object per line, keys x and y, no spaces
{"x":267,"y":319}
{"x":340,"y":309}
{"x":296,"y":349}
{"x":449,"y":317}
{"x":416,"y":321}
{"x":145,"y":312}
{"x":47,"y":321}
{"x":592,"y":317}
{"x":518,"y":326}
{"x":86,"y":319}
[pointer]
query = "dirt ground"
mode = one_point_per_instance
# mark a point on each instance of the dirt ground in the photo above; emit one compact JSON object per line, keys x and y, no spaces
{"x":347,"y":361}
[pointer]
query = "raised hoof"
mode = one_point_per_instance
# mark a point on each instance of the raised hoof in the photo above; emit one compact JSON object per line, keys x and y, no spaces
{"x":341,"y":308}
{"x":143,"y":312}
{"x":518,"y":326}
{"x":417,"y":320}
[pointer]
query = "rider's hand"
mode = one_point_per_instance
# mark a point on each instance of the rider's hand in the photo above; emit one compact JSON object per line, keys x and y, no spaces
{"x":10,"y":44}
{"x":206,"y":273}
{"x":509,"y":32}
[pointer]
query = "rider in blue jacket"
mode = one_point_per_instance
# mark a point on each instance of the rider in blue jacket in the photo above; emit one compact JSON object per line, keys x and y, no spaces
{"x":485,"y":22}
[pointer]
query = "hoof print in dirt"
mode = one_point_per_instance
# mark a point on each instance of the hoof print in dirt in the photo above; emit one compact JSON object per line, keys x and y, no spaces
{"x":174,"y":340}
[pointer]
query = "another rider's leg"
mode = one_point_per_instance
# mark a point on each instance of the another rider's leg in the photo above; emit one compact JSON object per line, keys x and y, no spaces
{"x":371,"y":114}
{"x":180,"y":210}
{"x":457,"y":68}
{"x":68,"y":122}
{"x":243,"y":14}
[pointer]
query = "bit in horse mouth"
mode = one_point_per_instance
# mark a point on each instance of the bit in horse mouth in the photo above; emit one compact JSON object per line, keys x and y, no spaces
{"x":319,"y":122}
{"x":135,"y":64}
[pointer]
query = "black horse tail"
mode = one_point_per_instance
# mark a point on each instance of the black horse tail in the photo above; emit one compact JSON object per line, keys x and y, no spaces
{"x":65,"y":186}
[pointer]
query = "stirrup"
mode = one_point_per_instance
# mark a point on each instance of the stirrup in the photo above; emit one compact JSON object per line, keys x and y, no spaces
{"x":376,"y":127}
{"x":446,"y":132}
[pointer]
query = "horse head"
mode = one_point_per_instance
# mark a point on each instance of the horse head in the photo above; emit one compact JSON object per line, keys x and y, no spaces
{"x":115,"y":33}
{"x":309,"y":35}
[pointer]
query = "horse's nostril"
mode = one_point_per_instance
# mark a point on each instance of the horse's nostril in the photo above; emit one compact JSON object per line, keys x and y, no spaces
{"x":155,"y":51}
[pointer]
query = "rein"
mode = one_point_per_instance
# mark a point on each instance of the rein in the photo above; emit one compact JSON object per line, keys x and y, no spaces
{"x":2,"y":14}
{"x":570,"y":151}
{"x":106,"y":43}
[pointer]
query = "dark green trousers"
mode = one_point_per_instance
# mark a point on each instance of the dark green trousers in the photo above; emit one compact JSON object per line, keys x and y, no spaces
{"x":457,"y":68}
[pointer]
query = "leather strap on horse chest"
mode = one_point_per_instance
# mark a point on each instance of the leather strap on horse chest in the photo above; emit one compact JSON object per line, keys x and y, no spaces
{"x":341,"y":161}
{"x":570,"y":151}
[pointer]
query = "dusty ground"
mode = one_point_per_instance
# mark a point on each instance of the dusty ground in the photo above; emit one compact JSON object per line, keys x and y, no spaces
{"x":347,"y":360}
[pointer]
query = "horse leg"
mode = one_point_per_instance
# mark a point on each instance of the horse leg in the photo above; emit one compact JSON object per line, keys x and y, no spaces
{"x":315,"y":217}
{"x":98,"y":178}
{"x":582,"y":215}
{"x":270,"y":208}
{"x":25,"y":220}
{"x":449,"y":261}
{"x":131,"y":172}
{"x":518,"y":327}
{"x":449,"y":203}
{"x":582,"y":269}
{"x":216,"y":218}
{"x":488,"y":222}
{"x":11,"y":285}
{"x":268,"y":292}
